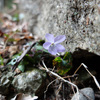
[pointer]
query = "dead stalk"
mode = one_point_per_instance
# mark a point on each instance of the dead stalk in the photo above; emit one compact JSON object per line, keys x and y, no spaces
{"x":59,"y":77}
{"x":94,"y":78}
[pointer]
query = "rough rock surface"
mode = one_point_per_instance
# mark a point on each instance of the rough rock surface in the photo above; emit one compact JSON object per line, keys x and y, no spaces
{"x":5,"y":82}
{"x":1,"y":4}
{"x":29,"y":82}
{"x":78,"y":20}
{"x":86,"y":91}
{"x":32,"y":9}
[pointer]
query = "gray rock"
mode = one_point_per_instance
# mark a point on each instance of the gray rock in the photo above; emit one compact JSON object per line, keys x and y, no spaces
{"x":29,"y":82}
{"x":5,"y":82}
{"x":78,"y":20}
{"x":1,"y":4}
{"x":86,"y":91}
{"x":32,"y":9}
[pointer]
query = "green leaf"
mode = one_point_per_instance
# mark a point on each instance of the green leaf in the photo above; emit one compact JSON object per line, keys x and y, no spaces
{"x":63,"y":65}
{"x":11,"y":40}
{"x":21,"y":67}
{"x":15,"y":17}
{"x":13,"y":61}
{"x":27,"y":59}
{"x":1,"y":60}
{"x":38,"y":47}
{"x":63,"y":71}
{"x":6,"y":35}
{"x":14,"y":58}
{"x":67,"y":56}
{"x":57,"y":61}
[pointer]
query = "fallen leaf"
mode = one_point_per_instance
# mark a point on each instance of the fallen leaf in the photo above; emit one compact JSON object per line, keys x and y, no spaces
{"x":1,"y":33}
{"x":21,"y":96}
{"x":13,"y":50}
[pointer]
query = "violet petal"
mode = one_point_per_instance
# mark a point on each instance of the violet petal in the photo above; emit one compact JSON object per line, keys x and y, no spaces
{"x":46,"y":45}
{"x":59,"y":39}
{"x":53,"y":50}
{"x":49,"y":37}
{"x":60,"y":48}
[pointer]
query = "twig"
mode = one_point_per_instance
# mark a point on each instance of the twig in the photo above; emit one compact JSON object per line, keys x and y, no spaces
{"x":77,"y":69}
{"x":49,"y":85}
{"x":53,"y":68}
{"x":71,"y":86}
{"x":95,"y":80}
{"x":56,"y":75}
{"x":22,"y":56}
{"x":59,"y":88}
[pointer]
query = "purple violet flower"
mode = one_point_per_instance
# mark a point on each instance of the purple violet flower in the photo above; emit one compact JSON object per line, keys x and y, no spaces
{"x":52,"y":44}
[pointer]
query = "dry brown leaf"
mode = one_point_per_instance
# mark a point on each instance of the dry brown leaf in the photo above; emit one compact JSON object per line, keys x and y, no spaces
{"x":13,"y":50}
{"x":21,"y":96}
{"x":3,"y":50}
{"x":17,"y":71}
{"x":1,"y":33}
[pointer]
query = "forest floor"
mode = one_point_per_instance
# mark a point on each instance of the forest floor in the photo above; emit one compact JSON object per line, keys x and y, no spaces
{"x":15,"y":38}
